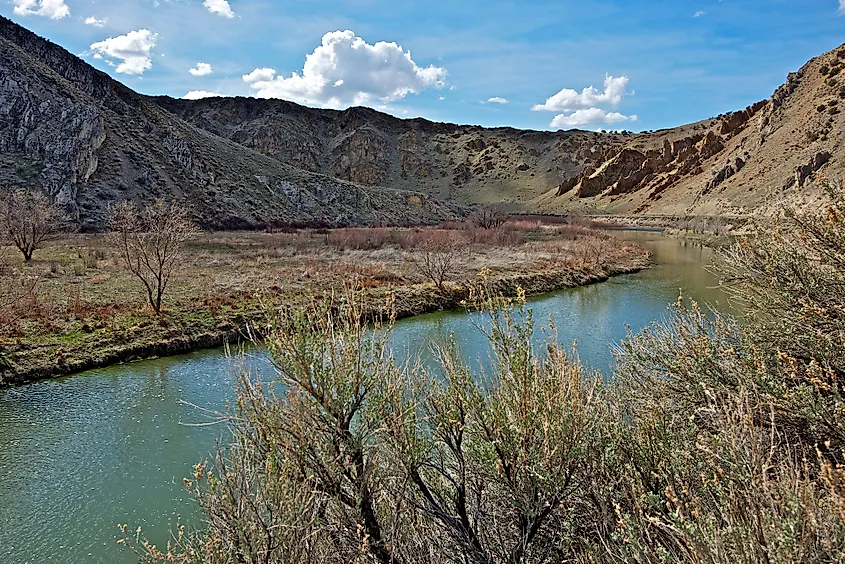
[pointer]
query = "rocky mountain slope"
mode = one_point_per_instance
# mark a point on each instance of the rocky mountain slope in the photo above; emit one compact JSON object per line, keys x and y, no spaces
{"x":246,"y":162}
{"x":466,"y":164}
{"x":734,"y":164}
{"x":89,"y":141}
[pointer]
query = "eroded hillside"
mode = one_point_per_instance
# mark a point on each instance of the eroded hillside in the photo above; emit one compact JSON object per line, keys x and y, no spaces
{"x":247,"y":162}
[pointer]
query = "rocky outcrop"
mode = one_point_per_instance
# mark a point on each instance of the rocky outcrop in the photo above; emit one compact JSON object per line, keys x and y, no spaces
{"x":804,"y":172}
{"x":722,"y":174}
{"x":630,"y":169}
{"x":735,"y":121}
{"x":63,"y":134}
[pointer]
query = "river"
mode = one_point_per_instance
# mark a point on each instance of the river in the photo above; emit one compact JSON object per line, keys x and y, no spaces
{"x":79,"y":455}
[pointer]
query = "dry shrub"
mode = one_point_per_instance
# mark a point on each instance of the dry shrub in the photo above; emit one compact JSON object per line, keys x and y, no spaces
{"x":572,"y":232}
{"x":150,"y":242}
{"x":350,"y":457}
{"x":363,"y":238}
{"x":501,"y":237}
{"x":372,"y":274}
{"x":491,"y":216}
{"x":430,"y":238}
{"x":717,"y":441}
{"x":28,"y":218}
{"x":454,"y":225}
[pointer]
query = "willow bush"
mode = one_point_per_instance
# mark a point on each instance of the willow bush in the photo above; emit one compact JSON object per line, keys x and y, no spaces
{"x":714,"y":441}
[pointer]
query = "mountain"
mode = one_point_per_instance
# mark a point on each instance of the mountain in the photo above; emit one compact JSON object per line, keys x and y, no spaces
{"x":89,"y":141}
{"x":246,"y":162}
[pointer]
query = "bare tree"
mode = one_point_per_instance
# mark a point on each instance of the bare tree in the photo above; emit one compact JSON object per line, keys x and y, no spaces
{"x":438,"y":260}
{"x":150,"y":242}
{"x":28,"y":218}
{"x":490,"y":216}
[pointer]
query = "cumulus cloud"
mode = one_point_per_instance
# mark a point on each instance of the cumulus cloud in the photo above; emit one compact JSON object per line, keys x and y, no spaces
{"x":497,"y":100}
{"x":133,"y":49}
{"x":567,"y":99}
{"x":53,"y":9}
{"x":200,"y":94}
{"x":579,"y":109}
{"x":92,"y":21}
{"x":345,"y":70}
{"x":221,"y":7}
{"x":700,"y":13}
{"x":590,"y":116}
{"x":202,"y":69}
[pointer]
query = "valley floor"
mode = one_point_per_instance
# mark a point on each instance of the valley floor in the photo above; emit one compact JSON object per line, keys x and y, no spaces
{"x":74,"y":307}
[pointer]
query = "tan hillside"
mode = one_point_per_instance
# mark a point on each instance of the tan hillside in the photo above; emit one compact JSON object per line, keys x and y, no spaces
{"x":752,"y":160}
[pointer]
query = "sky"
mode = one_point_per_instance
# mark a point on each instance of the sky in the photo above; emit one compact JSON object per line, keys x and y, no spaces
{"x":546,"y":64}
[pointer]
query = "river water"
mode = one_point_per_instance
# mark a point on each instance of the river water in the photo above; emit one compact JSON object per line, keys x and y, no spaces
{"x":81,"y":454}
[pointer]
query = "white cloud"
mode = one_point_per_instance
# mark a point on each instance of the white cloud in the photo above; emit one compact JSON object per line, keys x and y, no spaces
{"x":133,"y":49}
{"x":219,"y":7}
{"x":200,"y":94}
{"x":842,"y":6}
{"x":567,"y":99}
{"x":590,"y":116}
{"x":580,"y":109}
{"x":497,"y":100}
{"x":53,"y":9}
{"x":202,"y":69}
{"x":700,"y":13}
{"x":345,"y":70}
{"x":92,"y":21}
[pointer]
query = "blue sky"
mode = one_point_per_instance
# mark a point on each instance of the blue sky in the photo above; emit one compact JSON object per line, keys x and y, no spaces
{"x":652,"y":64}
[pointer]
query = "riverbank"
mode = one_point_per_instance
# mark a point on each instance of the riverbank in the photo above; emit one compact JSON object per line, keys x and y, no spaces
{"x":78,"y":310}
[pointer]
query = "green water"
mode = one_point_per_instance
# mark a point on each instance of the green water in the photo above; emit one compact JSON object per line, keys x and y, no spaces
{"x":81,"y":454}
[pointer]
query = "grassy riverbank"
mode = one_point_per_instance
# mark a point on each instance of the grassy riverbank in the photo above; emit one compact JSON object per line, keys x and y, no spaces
{"x":75,"y":308}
